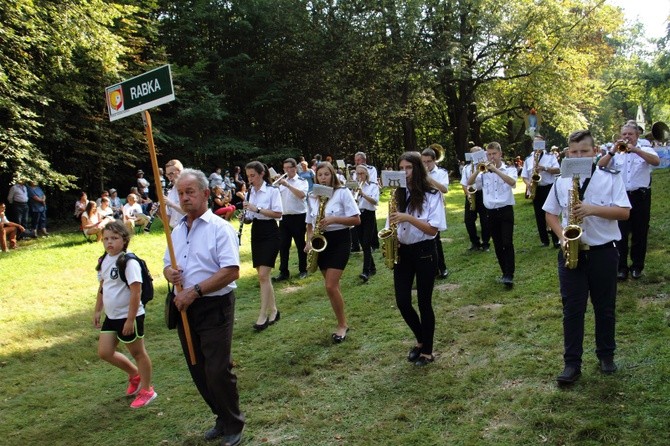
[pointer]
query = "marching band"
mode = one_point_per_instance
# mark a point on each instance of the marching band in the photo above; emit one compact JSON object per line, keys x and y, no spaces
{"x":322,"y":219}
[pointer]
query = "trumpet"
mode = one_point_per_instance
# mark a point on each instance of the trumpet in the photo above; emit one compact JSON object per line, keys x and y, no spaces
{"x":621,"y":146}
{"x":484,"y":167}
{"x":281,"y":177}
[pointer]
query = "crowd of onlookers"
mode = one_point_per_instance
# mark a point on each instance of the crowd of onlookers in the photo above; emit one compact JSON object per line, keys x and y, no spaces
{"x":28,"y":214}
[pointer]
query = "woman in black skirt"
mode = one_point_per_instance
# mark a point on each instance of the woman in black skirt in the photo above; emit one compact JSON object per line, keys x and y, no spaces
{"x":264,"y":208}
{"x":341,"y":213}
{"x":419,"y":216}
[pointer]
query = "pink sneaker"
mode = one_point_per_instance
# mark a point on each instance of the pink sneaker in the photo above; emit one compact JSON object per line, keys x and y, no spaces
{"x":133,"y":385}
{"x":144,"y":398}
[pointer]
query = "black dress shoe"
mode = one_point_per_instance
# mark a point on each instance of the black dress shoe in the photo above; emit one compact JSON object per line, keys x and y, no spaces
{"x":474,"y":247}
{"x":270,"y":322}
{"x":372,"y":272}
{"x":443,"y":274}
{"x":622,"y":275}
{"x":544,"y":244}
{"x":263,"y":326}
{"x":569,"y":375}
{"x":232,"y":439}
{"x":364,"y":277}
{"x":414,"y":354}
{"x":303,"y":274}
{"x":214,"y":433}
{"x":424,"y":360}
{"x":607,"y":366}
{"x":486,"y":248}
{"x":280,"y":277}
{"x":635,"y":273}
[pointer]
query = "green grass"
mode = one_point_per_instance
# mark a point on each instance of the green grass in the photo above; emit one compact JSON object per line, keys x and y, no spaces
{"x":498,"y":353}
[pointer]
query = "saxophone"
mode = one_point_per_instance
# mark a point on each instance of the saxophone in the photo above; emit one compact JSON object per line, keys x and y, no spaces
{"x":389,"y":237}
{"x":472,"y":190}
{"x":318,"y":241}
{"x":572,"y":232}
{"x":535,"y":177}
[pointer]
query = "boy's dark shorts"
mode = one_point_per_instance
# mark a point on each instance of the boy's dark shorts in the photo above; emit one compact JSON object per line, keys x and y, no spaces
{"x":116,"y":326}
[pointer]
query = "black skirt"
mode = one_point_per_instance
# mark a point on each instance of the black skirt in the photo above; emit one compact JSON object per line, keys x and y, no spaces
{"x":336,"y":254}
{"x":264,"y":242}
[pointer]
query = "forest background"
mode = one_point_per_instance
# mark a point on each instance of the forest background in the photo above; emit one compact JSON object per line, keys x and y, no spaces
{"x":268,"y":79}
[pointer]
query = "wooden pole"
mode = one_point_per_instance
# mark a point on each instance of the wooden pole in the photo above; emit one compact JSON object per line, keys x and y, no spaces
{"x":166,"y":227}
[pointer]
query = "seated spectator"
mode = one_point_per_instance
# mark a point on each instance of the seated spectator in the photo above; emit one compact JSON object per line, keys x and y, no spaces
{"x":239,"y":196}
{"x":105,"y":210}
{"x":133,"y":215}
{"x":103,"y":194}
{"x":143,"y":200}
{"x":80,"y":206}
{"x":115,"y":203}
{"x":8,"y":230}
{"x":91,"y":221}
{"x":221,"y":205}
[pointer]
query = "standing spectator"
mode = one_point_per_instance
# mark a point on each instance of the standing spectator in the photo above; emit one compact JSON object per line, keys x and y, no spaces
{"x":38,"y":208}
{"x":142,"y":185}
{"x":209,"y":263}
{"x":293,"y":191}
{"x":115,"y":203}
{"x":215,"y":178}
{"x":8,"y":230}
{"x":162,"y":180}
{"x":228,"y":183}
{"x":237,"y":177}
{"x":634,"y":162}
{"x":18,"y":199}
{"x":306,"y":174}
{"x":173,"y":169}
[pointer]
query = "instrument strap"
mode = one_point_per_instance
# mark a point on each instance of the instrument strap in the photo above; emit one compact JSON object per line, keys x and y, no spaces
{"x":582,"y":190}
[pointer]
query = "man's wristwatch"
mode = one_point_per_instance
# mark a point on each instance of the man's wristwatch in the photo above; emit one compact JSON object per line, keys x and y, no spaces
{"x":611,"y":154}
{"x":258,"y":210}
{"x":197,"y":289}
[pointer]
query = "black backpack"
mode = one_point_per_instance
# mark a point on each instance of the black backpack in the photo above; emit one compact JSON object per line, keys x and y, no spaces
{"x":147,"y":293}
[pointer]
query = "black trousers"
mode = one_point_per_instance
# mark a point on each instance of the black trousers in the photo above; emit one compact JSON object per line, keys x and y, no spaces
{"x":595,"y":275}
{"x":367,"y":232}
{"x":420,"y":260}
{"x":501,"y":223}
{"x":211,"y":322}
{"x":637,"y":227}
{"x":20,"y":211}
{"x":292,"y":227}
{"x":470,"y":219}
{"x":541,"y":194}
{"x":440,"y":266}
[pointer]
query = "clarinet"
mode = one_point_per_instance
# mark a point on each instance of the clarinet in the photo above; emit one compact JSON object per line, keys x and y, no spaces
{"x":243,"y":220}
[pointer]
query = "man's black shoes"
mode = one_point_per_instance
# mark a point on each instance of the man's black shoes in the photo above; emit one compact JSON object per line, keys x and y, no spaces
{"x":214,"y":433}
{"x":607,"y":366}
{"x":443,"y":274}
{"x":569,"y":375}
{"x":636,"y":273}
{"x":622,"y":275}
{"x":280,"y":278}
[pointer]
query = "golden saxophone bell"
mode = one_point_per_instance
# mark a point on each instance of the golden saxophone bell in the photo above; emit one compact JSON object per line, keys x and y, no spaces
{"x":319,"y":243}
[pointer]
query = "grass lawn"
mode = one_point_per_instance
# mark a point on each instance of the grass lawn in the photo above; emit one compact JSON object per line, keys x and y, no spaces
{"x":493,"y":382}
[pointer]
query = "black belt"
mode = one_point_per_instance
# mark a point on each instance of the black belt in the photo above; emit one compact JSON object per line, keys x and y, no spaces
{"x":597,"y":247}
{"x":366,"y":210}
{"x":642,"y":190}
{"x":500,"y":209}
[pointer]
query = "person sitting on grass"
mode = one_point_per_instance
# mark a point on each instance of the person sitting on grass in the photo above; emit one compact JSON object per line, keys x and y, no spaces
{"x":221,"y":203}
{"x":132,"y":213}
{"x":124,"y":314}
{"x":8,"y":230}
{"x":91,"y":221}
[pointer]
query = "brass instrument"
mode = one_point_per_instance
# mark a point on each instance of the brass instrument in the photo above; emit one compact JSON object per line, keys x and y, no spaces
{"x":243,"y":220}
{"x":535,"y":178}
{"x":484,"y":167}
{"x":471,"y":191}
{"x":621,"y":146}
{"x":274,"y":183}
{"x":660,"y":131}
{"x":439,"y":152}
{"x":389,"y":236}
{"x":572,"y":232}
{"x":357,"y":193}
{"x":318,"y":242}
